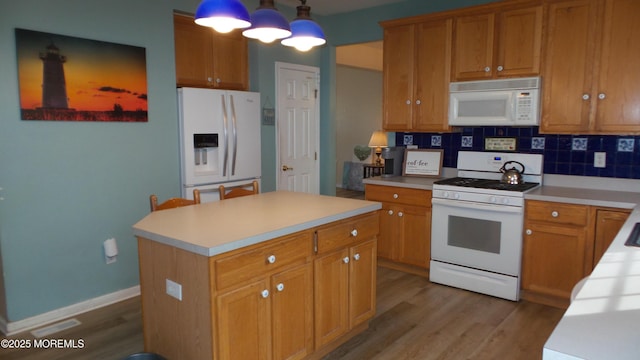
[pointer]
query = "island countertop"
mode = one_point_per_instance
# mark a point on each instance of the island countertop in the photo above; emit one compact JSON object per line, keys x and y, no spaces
{"x":217,"y":227}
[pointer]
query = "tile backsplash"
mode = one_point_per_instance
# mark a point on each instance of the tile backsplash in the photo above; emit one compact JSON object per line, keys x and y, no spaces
{"x":563,"y":154}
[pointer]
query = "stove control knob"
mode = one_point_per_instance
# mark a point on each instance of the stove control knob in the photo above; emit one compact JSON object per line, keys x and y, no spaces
{"x":493,"y":199}
{"x":505,"y":201}
{"x":445,"y":194}
{"x":456,"y":196}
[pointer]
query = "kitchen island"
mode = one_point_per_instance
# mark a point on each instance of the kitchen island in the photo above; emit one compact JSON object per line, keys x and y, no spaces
{"x":274,"y":275}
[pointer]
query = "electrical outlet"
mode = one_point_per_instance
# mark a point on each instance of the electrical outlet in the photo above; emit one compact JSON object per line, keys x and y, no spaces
{"x":174,"y":289}
{"x":600,"y":159}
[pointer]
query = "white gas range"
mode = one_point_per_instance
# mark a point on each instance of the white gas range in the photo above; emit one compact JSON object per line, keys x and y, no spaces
{"x":477,"y":223}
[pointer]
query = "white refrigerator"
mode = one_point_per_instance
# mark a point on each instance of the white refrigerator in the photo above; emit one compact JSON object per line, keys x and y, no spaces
{"x":219,"y":140}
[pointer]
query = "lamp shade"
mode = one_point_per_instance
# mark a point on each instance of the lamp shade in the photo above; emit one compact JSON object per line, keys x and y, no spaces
{"x":378,"y":139}
{"x":222,"y":15}
{"x":305,"y":33}
{"x":267,"y":24}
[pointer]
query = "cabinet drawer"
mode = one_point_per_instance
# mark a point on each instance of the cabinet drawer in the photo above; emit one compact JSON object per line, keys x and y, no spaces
{"x":348,"y":232}
{"x":559,"y":213}
{"x":244,"y":265}
{"x":398,"y":195}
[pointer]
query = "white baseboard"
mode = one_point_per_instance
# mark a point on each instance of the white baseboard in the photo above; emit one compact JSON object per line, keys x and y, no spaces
{"x":15,"y":327}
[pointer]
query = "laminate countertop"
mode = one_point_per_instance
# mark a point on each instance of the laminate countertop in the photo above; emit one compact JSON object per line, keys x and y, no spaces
{"x":602,"y":321}
{"x":217,"y":227}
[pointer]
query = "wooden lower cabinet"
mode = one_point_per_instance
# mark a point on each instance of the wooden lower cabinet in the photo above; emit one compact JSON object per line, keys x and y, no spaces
{"x":294,"y":297}
{"x":250,"y":316}
{"x":345,"y":288}
{"x":405,"y":224}
{"x":562,"y":245}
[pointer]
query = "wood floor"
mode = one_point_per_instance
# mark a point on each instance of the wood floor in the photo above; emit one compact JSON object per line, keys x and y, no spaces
{"x":415,"y":319}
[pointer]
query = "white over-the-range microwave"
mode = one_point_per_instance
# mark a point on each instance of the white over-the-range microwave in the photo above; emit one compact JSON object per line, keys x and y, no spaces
{"x":507,"y":102}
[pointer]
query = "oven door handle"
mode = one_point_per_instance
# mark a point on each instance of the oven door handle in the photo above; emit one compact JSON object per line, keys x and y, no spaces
{"x":478,"y":206}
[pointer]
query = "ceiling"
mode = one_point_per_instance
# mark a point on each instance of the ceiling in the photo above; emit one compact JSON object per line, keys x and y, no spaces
{"x":330,"y":7}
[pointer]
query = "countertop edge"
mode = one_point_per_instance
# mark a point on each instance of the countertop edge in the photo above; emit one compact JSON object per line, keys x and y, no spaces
{"x":240,"y":243}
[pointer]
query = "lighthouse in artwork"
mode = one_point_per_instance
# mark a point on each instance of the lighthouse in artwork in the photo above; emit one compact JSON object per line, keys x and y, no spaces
{"x":54,"y":88}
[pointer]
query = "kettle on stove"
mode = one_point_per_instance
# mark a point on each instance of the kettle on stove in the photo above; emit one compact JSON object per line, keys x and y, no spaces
{"x":512,"y":176}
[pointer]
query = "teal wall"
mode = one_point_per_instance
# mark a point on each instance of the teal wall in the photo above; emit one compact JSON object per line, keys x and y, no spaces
{"x":69,"y":186}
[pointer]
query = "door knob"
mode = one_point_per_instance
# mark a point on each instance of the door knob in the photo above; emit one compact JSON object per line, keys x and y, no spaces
{"x":285,"y":168}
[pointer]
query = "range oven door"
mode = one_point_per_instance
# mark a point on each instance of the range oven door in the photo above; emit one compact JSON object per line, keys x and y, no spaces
{"x":480,"y":236}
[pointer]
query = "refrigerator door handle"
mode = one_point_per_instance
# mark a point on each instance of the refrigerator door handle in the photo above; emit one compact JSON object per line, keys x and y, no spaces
{"x":235,"y":136}
{"x":226,"y":136}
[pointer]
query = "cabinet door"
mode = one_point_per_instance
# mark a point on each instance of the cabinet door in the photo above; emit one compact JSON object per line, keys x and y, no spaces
{"x":398,"y":69}
{"x":555,"y":258}
{"x":608,"y":223}
{"x":230,"y":61}
{"x":618,"y":91}
{"x":192,"y":51}
{"x":331,"y":291}
{"x":568,"y":70}
{"x":243,"y":322}
{"x":390,"y":231}
{"x":415,"y":244}
{"x":292,"y":326}
{"x":433,"y":48}
{"x":473,"y":47}
{"x":519,"y":42}
{"x":362,"y":283}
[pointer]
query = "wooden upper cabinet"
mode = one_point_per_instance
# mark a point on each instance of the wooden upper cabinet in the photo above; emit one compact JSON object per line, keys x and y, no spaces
{"x":417,"y":64}
{"x":208,"y":59}
{"x":506,"y":43}
{"x":591,"y":83}
{"x":618,"y":89}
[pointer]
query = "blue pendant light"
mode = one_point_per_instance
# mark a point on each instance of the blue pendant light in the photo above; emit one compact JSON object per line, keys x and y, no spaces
{"x":267,"y":24}
{"x":222,"y":15}
{"x":305,"y":33}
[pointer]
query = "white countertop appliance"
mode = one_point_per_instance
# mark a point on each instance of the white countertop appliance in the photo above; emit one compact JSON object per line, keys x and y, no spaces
{"x":219,"y":140}
{"x":477,"y":223}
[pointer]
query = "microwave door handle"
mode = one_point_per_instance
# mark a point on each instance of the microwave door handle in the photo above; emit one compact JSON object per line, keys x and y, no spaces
{"x":226,"y":136}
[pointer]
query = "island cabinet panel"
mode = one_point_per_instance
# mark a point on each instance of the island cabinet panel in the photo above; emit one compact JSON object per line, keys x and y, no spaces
{"x":345,"y":279}
{"x":278,"y":300}
{"x":405,"y":226}
{"x":591,"y":84}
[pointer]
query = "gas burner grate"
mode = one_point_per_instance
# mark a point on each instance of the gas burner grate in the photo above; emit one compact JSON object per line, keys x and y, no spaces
{"x":486,"y":184}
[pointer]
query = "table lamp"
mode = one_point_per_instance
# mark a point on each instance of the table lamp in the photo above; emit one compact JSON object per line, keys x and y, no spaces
{"x":378,"y":141}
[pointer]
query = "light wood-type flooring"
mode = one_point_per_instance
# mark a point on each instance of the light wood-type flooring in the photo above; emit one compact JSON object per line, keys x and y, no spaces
{"x":415,"y":319}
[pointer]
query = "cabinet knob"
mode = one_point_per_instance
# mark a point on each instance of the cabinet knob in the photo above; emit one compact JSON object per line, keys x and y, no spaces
{"x":528,"y":232}
{"x":601,"y":96}
{"x":400,"y":214}
{"x":345,"y":260}
{"x":280,"y":287}
{"x":585,"y":97}
{"x":487,"y":69}
{"x":218,"y":81}
{"x":265,"y":293}
{"x":271,"y":259}
{"x":209,"y":79}
{"x":408,"y":102}
{"x":500,"y":68}
{"x":356,"y":257}
{"x":354,"y":232}
{"x":395,"y":196}
{"x":418,"y":102}
{"x":554,"y":214}
{"x":390,"y":212}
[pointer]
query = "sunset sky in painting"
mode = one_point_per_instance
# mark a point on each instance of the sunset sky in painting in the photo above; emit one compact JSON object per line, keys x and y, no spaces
{"x":98,"y":74}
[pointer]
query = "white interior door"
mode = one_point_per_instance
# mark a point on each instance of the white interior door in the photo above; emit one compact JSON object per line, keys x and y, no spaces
{"x":298,"y":89}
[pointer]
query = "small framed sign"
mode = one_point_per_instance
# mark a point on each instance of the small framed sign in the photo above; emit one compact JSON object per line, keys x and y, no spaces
{"x":500,"y":144}
{"x":422,"y":162}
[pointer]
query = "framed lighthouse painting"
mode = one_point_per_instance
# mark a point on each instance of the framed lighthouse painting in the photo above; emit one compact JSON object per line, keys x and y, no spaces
{"x":65,"y":78}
